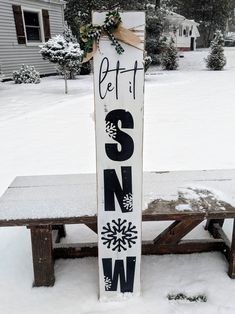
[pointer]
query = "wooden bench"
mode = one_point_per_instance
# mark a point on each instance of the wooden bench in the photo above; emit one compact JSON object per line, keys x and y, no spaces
{"x":44,"y":204}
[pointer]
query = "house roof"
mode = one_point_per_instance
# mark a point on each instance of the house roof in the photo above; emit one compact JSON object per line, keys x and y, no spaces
{"x":54,"y":1}
{"x":177,"y":19}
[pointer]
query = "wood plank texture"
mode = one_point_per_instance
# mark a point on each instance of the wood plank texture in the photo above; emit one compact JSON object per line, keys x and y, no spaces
{"x":176,"y":231}
{"x":42,"y":253}
{"x":231,"y":271}
{"x":148,"y":248}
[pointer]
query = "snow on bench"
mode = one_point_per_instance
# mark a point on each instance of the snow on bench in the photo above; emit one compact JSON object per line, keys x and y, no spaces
{"x":72,"y":196}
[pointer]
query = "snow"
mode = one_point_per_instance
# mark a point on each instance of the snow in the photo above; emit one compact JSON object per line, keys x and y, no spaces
{"x":183,"y":207}
{"x":189,"y":124}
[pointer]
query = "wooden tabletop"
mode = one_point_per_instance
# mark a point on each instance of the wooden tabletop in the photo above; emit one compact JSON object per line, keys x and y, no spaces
{"x":54,"y":199}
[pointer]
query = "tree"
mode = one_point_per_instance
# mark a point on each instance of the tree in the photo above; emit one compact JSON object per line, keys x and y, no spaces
{"x":73,"y":66}
{"x":216,"y":59}
{"x":155,"y":43}
{"x":61,"y":52}
{"x":78,"y":12}
{"x":170,"y":56}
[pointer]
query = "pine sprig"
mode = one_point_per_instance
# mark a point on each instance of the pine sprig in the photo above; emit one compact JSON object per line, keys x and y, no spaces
{"x":90,"y":33}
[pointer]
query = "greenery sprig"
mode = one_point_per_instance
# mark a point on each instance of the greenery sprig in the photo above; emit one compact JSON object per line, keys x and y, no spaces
{"x":90,"y":33}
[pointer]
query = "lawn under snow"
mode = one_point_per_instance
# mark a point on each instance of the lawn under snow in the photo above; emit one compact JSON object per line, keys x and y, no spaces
{"x":189,"y":124}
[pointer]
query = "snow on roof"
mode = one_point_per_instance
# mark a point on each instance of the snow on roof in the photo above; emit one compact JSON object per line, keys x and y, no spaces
{"x":55,"y":1}
{"x":177,"y":19}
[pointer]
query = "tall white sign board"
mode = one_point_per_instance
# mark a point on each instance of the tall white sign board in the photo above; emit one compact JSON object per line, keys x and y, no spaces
{"x":119,"y":99}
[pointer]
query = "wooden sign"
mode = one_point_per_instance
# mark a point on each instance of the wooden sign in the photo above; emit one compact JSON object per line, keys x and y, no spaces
{"x":119,"y":98}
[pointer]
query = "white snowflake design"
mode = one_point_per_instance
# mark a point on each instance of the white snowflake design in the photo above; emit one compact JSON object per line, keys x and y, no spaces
{"x":128,"y":202}
{"x":119,"y":235}
{"x":107,"y":283}
{"x":111,"y":129}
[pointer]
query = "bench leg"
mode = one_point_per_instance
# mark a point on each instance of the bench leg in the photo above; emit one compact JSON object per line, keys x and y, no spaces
{"x":61,"y":232}
{"x":231,"y":271}
{"x":211,"y":222}
{"x":42,"y":253}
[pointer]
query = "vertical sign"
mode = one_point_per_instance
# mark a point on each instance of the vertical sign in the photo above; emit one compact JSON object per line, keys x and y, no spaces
{"x":119,"y":98}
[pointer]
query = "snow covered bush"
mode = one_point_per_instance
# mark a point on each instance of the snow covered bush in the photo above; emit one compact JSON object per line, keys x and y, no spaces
{"x":216,"y":59}
{"x":170,"y":57}
{"x":73,"y":66}
{"x":147,"y":62}
{"x":62,"y":53}
{"x":26,"y":74}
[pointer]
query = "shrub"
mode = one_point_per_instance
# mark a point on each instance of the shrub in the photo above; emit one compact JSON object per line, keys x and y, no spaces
{"x":216,"y":59}
{"x":73,"y":67}
{"x":170,"y":56}
{"x":147,"y":62}
{"x":27,"y":74}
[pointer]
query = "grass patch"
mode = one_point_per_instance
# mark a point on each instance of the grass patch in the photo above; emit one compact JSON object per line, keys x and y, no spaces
{"x":184,"y":297}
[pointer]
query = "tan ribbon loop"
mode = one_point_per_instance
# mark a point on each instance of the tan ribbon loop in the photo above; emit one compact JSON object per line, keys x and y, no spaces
{"x":127,"y":36}
{"x":122,"y":34}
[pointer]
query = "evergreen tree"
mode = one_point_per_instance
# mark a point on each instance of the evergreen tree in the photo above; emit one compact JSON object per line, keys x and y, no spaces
{"x":73,"y":66}
{"x":61,"y":52}
{"x":155,"y":43}
{"x":216,"y":59}
{"x":170,"y":56}
{"x":78,"y":12}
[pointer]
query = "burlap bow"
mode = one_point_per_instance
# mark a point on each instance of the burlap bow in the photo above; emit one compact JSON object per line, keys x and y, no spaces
{"x":122,"y":34}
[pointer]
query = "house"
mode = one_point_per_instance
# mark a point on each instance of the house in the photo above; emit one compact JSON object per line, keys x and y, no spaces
{"x":183,"y":31}
{"x":24,"y":25}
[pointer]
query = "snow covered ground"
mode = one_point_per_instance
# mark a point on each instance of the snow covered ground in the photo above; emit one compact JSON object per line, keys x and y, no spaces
{"x":189,"y":124}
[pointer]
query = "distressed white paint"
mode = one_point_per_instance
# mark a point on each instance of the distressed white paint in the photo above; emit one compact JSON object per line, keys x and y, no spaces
{"x":134,"y":20}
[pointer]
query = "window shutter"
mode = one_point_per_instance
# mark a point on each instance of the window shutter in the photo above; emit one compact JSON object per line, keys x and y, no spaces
{"x":46,"y":24}
{"x":19,"y":24}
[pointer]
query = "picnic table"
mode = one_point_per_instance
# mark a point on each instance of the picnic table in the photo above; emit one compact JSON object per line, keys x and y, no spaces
{"x":45,"y":204}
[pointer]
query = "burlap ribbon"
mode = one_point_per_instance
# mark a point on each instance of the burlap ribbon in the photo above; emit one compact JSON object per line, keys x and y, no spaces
{"x":122,"y":34}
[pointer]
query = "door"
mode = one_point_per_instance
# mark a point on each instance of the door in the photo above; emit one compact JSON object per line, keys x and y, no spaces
{"x":192,"y":43}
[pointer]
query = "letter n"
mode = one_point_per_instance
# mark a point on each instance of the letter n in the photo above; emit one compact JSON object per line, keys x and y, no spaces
{"x":126,"y":278}
{"x":112,"y":187}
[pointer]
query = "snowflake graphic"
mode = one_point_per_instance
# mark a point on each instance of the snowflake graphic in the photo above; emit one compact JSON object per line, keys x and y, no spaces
{"x":128,"y":202}
{"x":111,"y":129}
{"x":107,"y":283}
{"x":119,"y":235}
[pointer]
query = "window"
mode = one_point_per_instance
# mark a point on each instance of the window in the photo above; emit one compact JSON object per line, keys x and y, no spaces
{"x":32,"y":25}
{"x":180,"y":30}
{"x":33,"y":29}
{"x":191,"y":31}
{"x":187,"y":31}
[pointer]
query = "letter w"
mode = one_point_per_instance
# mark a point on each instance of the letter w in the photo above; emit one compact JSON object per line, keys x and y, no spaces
{"x":126,"y":278}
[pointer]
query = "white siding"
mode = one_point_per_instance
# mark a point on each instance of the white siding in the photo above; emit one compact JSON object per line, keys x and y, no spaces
{"x":12,"y":54}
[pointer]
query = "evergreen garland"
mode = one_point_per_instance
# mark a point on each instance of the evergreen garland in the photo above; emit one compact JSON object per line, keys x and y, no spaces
{"x":90,"y":33}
